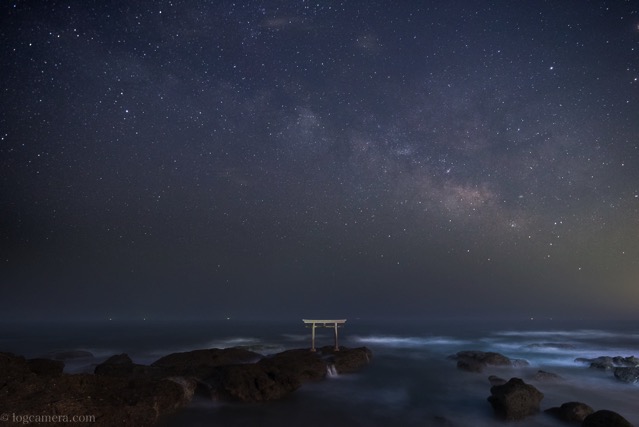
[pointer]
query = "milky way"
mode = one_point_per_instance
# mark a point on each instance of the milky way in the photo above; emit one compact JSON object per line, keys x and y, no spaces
{"x":361,"y":158}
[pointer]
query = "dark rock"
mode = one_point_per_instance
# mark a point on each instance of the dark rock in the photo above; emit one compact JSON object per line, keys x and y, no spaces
{"x":546,"y":376}
{"x":122,"y":365}
{"x":271,"y":378}
{"x":111,"y":400}
{"x":45,"y":366}
{"x":609,"y":363}
{"x":301,"y":364}
{"x":14,"y":368}
{"x":251,"y":382}
{"x":495,"y":380}
{"x":515,"y":400}
{"x":571,"y":411}
{"x":476,"y":361}
{"x":605,"y":418}
{"x":202,"y":363}
{"x":348,"y":360}
{"x":274,"y":377}
{"x":627,"y":375}
{"x":122,"y":392}
{"x":119,"y":359}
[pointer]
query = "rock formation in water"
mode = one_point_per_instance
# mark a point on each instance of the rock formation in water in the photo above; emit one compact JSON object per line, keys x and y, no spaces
{"x":476,"y":361}
{"x":121,"y":392}
{"x":571,"y":411}
{"x":515,"y":400}
{"x":605,"y":418}
{"x":609,"y":363}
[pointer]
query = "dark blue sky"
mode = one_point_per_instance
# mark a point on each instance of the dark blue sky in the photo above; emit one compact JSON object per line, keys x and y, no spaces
{"x":360,"y":158}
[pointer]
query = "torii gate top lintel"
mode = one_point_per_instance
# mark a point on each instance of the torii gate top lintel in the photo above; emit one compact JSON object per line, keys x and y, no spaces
{"x":323,"y":323}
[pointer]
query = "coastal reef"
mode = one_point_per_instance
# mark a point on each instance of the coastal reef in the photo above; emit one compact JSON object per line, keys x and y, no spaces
{"x":121,"y":392}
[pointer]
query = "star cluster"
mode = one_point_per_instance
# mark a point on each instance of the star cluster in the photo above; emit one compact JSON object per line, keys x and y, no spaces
{"x":252,"y":158}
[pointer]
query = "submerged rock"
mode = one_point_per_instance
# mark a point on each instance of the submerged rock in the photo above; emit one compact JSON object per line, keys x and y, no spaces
{"x":476,"y":361}
{"x":515,"y":400}
{"x":571,"y":411}
{"x":541,"y":375}
{"x":605,"y":418}
{"x":609,"y":363}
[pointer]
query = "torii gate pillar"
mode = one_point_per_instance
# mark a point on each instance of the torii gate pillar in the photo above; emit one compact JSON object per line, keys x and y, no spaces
{"x":324,"y":324}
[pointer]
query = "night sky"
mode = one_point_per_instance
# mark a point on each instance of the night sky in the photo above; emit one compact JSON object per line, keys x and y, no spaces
{"x":319,"y":158}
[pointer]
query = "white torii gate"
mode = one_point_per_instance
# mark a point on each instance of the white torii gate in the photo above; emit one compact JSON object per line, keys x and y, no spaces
{"x":323,"y":324}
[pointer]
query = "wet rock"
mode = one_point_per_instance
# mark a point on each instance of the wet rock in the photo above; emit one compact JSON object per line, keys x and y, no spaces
{"x":571,"y":411}
{"x":476,"y":361}
{"x":274,"y":377}
{"x":608,"y":363}
{"x":251,"y":382}
{"x":122,"y":392}
{"x":301,"y":364}
{"x":515,"y":400}
{"x":605,"y":418}
{"x":546,"y":376}
{"x":627,"y":375}
{"x":348,"y":360}
{"x":202,"y":363}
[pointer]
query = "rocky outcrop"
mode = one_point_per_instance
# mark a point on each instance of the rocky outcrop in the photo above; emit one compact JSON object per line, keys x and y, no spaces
{"x":28,"y":388}
{"x":121,"y":392}
{"x":624,"y":369}
{"x":273,"y":377}
{"x":347,"y":361}
{"x":541,"y":375}
{"x":476,"y":361}
{"x":609,"y":363}
{"x":121,"y":365}
{"x":571,"y":411}
{"x":253,"y":382}
{"x":201,"y":363}
{"x":605,"y":418}
{"x":515,"y":400}
{"x":627,"y":375}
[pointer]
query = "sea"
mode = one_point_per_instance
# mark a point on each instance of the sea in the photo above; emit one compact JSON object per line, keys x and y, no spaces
{"x":409,"y":382}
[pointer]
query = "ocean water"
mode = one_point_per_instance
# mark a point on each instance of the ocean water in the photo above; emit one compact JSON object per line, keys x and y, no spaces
{"x":410,"y":381}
